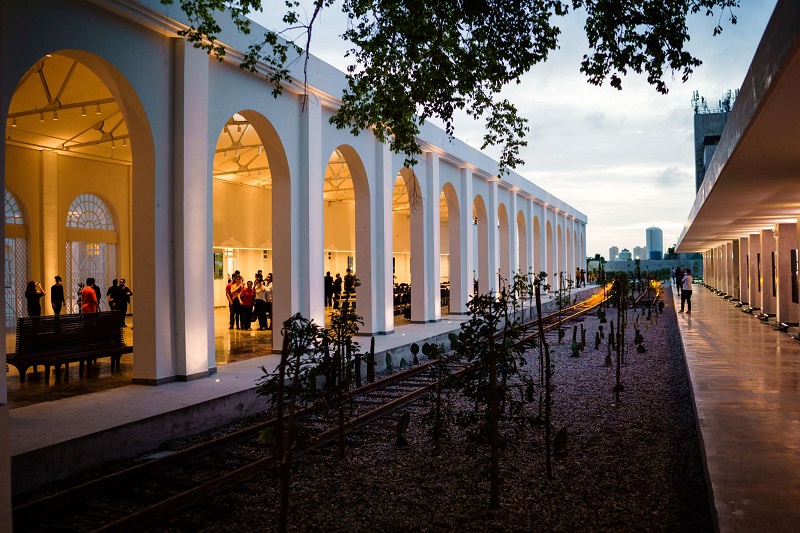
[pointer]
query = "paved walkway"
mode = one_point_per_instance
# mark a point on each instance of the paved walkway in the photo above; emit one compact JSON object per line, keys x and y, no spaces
{"x":746,"y":383}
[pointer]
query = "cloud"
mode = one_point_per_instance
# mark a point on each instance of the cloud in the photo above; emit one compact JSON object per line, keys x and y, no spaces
{"x":673,"y":176}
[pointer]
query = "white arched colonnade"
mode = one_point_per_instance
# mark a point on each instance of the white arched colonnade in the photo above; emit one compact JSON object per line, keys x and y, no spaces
{"x":175,"y":100}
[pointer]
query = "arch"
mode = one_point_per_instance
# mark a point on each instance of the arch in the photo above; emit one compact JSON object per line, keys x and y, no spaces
{"x":350,"y":167}
{"x":481,"y":224}
{"x":570,"y":258}
{"x":504,"y":250}
{"x":538,"y":265}
{"x":455,"y":291}
{"x":256,"y":159}
{"x":523,"y":244}
{"x":14,"y":215}
{"x":550,"y":252}
{"x":408,"y":253}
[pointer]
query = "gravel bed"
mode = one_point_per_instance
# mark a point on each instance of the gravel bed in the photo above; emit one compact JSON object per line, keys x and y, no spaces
{"x":634,"y":465}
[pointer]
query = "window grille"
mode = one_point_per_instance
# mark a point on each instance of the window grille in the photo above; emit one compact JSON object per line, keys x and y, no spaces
{"x":89,"y":212}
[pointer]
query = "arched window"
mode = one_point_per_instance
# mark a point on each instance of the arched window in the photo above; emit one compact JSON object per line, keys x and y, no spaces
{"x":16,"y":261}
{"x":13,"y":212}
{"x":87,"y":212}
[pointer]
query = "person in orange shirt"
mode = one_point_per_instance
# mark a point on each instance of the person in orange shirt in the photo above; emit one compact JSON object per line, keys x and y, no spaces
{"x":89,"y":297}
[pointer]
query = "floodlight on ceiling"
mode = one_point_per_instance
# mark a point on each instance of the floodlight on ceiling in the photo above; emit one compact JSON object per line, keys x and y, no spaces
{"x":226,"y":154}
{"x":260,"y":149}
{"x":112,"y":144}
{"x":55,"y":115}
{"x":83,"y":110}
{"x":41,"y":117}
{"x":124,"y":142}
{"x":98,"y":109}
{"x":14,"y":122}
{"x":238,"y":128}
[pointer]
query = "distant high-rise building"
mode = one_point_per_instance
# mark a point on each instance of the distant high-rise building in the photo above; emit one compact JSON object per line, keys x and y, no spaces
{"x":613,"y":253}
{"x":708,"y":126}
{"x":625,"y":255}
{"x":639,"y":252}
{"x":655,"y":243}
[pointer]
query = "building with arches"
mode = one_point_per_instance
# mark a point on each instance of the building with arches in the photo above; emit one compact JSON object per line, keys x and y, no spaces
{"x":130,"y":154}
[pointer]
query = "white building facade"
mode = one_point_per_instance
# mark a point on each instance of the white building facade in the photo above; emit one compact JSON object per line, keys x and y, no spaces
{"x":131,"y":152}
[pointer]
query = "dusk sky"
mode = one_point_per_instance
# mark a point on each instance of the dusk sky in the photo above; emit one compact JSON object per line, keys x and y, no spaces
{"x":624,"y":158}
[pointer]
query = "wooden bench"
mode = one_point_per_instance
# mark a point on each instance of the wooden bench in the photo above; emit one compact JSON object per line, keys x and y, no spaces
{"x":60,"y":340}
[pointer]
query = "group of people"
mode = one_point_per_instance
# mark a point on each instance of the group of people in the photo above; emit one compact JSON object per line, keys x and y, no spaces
{"x":334,"y":287}
{"x":683,"y":281}
{"x":248,"y":302}
{"x":89,"y":297}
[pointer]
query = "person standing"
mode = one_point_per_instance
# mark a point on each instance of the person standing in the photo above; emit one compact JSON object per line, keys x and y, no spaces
{"x":111,"y":294}
{"x":34,"y":293}
{"x":261,"y":302}
{"x":99,"y":294}
{"x":57,"y":299}
{"x":123,"y":299}
{"x":678,"y":277}
{"x":268,"y":297}
{"x":328,"y":289}
{"x":247,"y":298}
{"x":89,"y":297}
{"x":337,"y":290}
{"x":686,"y":291}
{"x":349,"y":284}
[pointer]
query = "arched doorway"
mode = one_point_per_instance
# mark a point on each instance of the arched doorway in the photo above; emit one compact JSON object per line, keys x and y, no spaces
{"x":407,"y":246}
{"x":250,"y":178}
{"x":450,"y":247}
{"x":504,"y":231}
{"x":523,"y":244}
{"x":538,"y":265}
{"x":16,"y":260}
{"x":347,"y":235}
{"x":480,"y":220}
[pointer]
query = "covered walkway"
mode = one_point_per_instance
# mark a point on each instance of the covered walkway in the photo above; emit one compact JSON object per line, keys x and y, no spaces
{"x":745,"y":379}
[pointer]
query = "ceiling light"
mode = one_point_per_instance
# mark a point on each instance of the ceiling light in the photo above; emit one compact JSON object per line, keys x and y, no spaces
{"x":239,"y":128}
{"x":226,"y":154}
{"x":83,"y":110}
{"x":98,"y":109}
{"x":260,"y":150}
{"x":55,"y":115}
{"x":237,"y":151}
{"x":14,"y":123}
{"x":124,"y":142}
{"x":41,"y":117}
{"x":112,"y":144}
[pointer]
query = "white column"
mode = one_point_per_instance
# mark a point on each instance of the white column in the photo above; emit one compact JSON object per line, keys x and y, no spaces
{"x":744,"y":266}
{"x":786,"y":310}
{"x":735,"y":263}
{"x":310,"y":270}
{"x":193,"y":288}
{"x":768,"y":292}
{"x":51,"y":251}
{"x":432,"y":239}
{"x":730,"y":281}
{"x":491,"y":215}
{"x":381,"y":225}
{"x":754,"y":281}
{"x":458,"y":294}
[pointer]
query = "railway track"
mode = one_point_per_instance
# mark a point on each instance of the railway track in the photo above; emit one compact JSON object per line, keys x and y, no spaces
{"x":150,"y":491}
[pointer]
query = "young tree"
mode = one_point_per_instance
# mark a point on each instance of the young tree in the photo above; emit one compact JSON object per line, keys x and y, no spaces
{"x":418,"y":59}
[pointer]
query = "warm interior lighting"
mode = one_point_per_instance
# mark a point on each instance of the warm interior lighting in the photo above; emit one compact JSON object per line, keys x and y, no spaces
{"x":83,"y":110}
{"x":226,"y":154}
{"x":239,"y":128}
{"x":112,"y":144}
{"x":14,"y":123}
{"x":55,"y":115}
{"x":41,"y":117}
{"x":260,"y":150}
{"x":237,"y":151}
{"x":98,"y":109}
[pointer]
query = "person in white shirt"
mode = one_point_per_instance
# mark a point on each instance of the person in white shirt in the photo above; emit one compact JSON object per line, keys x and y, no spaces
{"x":686,"y":291}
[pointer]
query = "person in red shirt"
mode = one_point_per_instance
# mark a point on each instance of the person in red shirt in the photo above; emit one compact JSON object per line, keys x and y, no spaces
{"x":247,"y":298}
{"x":89,"y":297}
